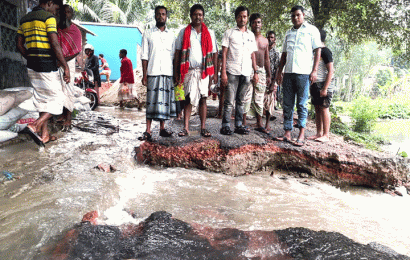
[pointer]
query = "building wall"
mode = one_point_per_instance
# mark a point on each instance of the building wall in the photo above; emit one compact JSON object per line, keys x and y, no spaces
{"x":110,"y":39}
{"x":13,"y":72}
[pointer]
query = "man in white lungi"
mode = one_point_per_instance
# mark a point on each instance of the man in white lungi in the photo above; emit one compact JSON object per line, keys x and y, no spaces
{"x":37,"y":41}
{"x":195,"y":56}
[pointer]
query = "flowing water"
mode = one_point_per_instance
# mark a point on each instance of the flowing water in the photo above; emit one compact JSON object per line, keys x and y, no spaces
{"x":59,"y":184}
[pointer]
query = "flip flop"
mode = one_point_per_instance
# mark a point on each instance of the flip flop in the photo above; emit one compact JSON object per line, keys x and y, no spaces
{"x":299,"y":143}
{"x":145,"y":137}
{"x":205,"y":133}
{"x":282,"y":139}
{"x":183,"y":132}
{"x":165,"y":133}
{"x":34,"y":136}
{"x":262,"y":130}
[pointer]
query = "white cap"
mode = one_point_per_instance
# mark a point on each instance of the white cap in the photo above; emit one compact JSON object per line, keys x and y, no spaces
{"x":88,"y":46}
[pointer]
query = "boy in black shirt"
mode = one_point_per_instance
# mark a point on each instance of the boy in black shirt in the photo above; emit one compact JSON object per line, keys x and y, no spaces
{"x":321,"y":93}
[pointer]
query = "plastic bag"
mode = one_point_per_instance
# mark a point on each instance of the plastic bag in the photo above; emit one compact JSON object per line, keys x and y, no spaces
{"x":179,"y":92}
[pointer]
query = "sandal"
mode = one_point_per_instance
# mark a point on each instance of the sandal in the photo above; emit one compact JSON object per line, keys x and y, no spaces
{"x":299,"y":143}
{"x":226,"y":130}
{"x":165,"y":133}
{"x":145,"y":137}
{"x":205,"y":133}
{"x":262,"y":130}
{"x":183,"y":132}
{"x":282,"y":139}
{"x":241,"y":130}
{"x":33,"y":135}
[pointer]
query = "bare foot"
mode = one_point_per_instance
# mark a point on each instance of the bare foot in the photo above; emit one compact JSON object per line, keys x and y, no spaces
{"x":32,"y":128}
{"x":314,"y":137}
{"x":49,"y":138}
{"x":323,"y":139}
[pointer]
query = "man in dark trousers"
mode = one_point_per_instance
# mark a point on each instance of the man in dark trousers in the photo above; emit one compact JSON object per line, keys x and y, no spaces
{"x":238,"y":61}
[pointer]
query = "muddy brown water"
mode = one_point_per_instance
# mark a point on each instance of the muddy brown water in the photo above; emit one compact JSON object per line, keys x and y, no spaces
{"x":56,"y":186}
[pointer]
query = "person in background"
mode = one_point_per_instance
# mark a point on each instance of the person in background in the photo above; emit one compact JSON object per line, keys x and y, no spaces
{"x":321,"y":92}
{"x":158,"y":47}
{"x":300,"y":58}
{"x":221,"y":95}
{"x":272,"y":93}
{"x":238,"y":60}
{"x":196,"y":55}
{"x":69,"y":37}
{"x":126,"y":90}
{"x":106,"y":71}
{"x":92,"y":64}
{"x":255,"y":104}
{"x":37,"y":41}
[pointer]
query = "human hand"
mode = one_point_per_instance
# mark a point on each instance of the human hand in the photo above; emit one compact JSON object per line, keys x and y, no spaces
{"x":66,"y":75}
{"x":144,"y":80}
{"x":125,"y":89}
{"x":224,"y":79}
{"x":313,"y":77}
{"x":279,"y":78}
{"x":268,"y":81}
{"x":255,"y":79}
{"x":323,"y":92}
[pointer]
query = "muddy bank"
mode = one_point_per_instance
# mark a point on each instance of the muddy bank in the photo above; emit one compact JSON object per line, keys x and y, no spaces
{"x":161,"y":236}
{"x":338,"y":162}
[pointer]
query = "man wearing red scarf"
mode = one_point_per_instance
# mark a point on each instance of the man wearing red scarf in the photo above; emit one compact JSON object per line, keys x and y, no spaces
{"x":195,"y":56}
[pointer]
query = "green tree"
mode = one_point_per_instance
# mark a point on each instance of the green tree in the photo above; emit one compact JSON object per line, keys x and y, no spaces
{"x":355,"y":21}
{"x":218,"y":13}
{"x":114,"y":11}
{"x":355,"y":64}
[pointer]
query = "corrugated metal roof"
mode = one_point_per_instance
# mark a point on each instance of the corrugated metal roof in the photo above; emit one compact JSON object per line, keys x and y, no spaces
{"x":83,"y":28}
{"x":112,"y":25}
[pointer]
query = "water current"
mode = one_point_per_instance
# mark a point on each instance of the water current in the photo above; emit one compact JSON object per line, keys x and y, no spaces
{"x":59,"y":184}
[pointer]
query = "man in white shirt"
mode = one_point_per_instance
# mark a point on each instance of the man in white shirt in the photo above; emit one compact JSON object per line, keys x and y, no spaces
{"x":157,"y":68}
{"x":301,"y":50}
{"x":238,"y":60}
{"x":195,"y":65}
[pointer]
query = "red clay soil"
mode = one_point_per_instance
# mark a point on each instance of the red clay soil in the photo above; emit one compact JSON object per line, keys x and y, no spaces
{"x":339,"y":162}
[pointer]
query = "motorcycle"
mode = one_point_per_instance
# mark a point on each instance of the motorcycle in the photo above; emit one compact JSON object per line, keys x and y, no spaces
{"x":86,"y":82}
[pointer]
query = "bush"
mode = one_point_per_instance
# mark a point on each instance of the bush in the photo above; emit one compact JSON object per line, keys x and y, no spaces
{"x":397,"y":108}
{"x":367,"y":140}
{"x":364,"y":114}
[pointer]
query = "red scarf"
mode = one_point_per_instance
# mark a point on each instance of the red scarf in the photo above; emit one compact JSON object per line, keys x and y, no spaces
{"x":206,"y":45}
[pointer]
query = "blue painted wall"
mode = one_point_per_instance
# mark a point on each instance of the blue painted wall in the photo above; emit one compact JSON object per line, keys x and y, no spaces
{"x":110,"y":40}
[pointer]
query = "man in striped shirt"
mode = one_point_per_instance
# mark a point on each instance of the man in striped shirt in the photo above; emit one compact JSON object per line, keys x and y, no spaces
{"x":37,"y":41}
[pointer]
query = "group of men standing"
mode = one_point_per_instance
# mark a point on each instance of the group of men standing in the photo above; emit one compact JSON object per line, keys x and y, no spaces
{"x":251,"y":71}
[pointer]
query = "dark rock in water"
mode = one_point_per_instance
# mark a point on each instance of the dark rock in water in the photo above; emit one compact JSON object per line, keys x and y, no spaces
{"x":162,"y":237}
{"x":97,"y":242}
{"x":307,"y":244}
